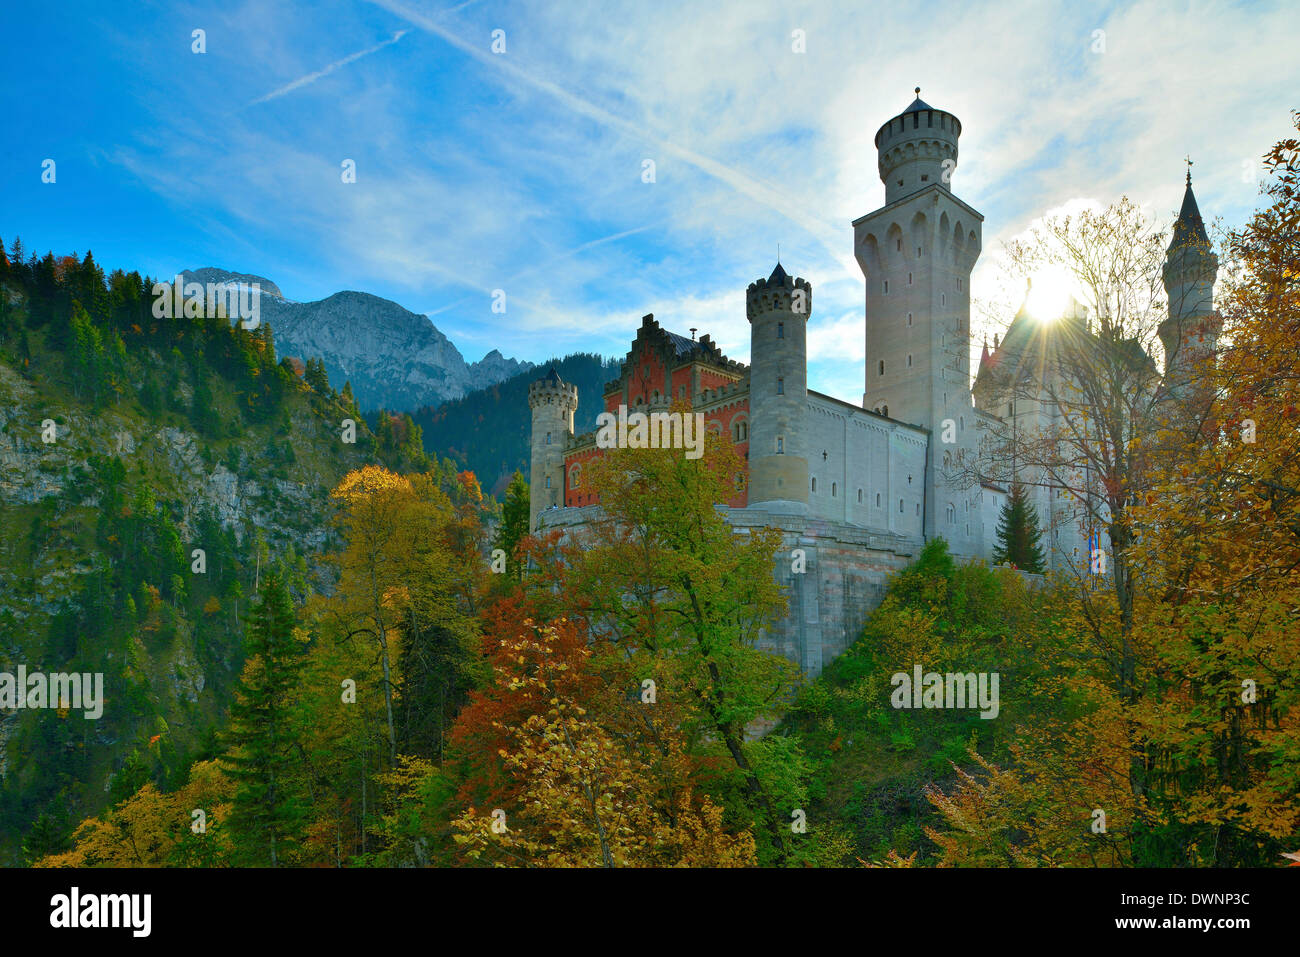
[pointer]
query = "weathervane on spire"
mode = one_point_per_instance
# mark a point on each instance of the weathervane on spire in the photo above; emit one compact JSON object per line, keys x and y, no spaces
{"x":778,"y":254}
{"x":918,"y":92}
{"x":1189,"y":170}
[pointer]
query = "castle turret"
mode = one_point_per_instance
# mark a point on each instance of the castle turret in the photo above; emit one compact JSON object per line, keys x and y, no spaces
{"x":778,"y":309}
{"x":916,"y":253}
{"x":553,"y":402}
{"x":916,"y":148}
{"x":1190,"y":333}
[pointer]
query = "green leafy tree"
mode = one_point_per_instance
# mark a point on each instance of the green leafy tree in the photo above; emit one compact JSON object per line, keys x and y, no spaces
{"x":1018,"y":533}
{"x":686,"y":598}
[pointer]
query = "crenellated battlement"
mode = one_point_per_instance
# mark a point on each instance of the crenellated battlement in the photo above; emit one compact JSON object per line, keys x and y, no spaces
{"x":553,"y":391}
{"x":916,"y":149}
{"x":779,"y":293}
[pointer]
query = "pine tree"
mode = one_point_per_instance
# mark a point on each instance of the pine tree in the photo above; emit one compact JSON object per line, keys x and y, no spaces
{"x":317,"y":377}
{"x":267,"y":813}
{"x":1018,"y":533}
{"x":514,"y":524}
{"x":349,"y":400}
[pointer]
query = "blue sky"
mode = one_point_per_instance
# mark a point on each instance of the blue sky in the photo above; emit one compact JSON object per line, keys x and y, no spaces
{"x":522,"y":170}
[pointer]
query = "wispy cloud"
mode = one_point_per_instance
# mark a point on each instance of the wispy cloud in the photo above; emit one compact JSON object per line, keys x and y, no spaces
{"x":748,"y":186}
{"x":326,"y":71}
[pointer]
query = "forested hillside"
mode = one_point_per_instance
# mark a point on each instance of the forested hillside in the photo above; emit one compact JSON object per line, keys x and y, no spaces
{"x":488,"y":431}
{"x":127,"y":443}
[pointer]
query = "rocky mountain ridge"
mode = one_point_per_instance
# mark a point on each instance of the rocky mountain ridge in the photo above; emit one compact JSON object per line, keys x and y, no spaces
{"x":395,"y":359}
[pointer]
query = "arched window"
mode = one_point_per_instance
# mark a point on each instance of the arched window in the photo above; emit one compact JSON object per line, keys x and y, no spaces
{"x":740,"y":431}
{"x":573,"y":476}
{"x":859,"y":496}
{"x":780,"y":386}
{"x":909,"y":360}
{"x":780,"y":330}
{"x":780,"y":445}
{"x":952,"y":513}
{"x":814,"y":483}
{"x":882,"y":366}
{"x":832,"y":490}
{"x":877,"y":500}
{"x":548,"y":438}
{"x":909,"y":318}
{"x":548,"y":481}
{"x":900,"y":505}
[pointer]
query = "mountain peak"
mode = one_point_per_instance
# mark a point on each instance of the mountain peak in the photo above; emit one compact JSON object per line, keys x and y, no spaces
{"x":215,"y":274}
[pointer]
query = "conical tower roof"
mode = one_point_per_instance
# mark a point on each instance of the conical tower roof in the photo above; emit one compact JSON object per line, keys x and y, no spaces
{"x":1189,"y":228}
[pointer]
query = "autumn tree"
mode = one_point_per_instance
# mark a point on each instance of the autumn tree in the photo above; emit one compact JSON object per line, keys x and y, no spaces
{"x":155,"y":829}
{"x":583,"y":796}
{"x":1220,"y":533}
{"x":1088,"y":402}
{"x":683,"y":597}
{"x":374,"y":503}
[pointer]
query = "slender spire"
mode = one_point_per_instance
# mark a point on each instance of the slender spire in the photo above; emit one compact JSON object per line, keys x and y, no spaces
{"x":1189,"y":228}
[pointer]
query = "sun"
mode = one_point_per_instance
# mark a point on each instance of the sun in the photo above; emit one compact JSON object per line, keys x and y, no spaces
{"x":1049,"y":294}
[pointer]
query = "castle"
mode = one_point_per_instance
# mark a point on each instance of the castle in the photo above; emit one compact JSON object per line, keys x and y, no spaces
{"x":861,"y":488}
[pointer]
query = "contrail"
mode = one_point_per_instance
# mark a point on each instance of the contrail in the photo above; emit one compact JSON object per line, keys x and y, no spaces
{"x":313,"y":77}
{"x":741,"y":183}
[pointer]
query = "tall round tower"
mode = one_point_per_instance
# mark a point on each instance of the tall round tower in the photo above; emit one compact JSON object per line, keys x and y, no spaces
{"x":553,"y":402}
{"x":1190,"y":334}
{"x":916,"y":148}
{"x":778,"y":308}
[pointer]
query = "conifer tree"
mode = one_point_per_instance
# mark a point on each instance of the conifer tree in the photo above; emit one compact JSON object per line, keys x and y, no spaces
{"x":267,"y":814}
{"x":514,"y":524}
{"x":1018,"y":533}
{"x":317,"y":377}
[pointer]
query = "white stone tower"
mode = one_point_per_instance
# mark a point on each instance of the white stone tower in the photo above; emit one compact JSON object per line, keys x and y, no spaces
{"x":916,"y":253}
{"x":1190,"y":335}
{"x":553,"y":402}
{"x":778,"y":309}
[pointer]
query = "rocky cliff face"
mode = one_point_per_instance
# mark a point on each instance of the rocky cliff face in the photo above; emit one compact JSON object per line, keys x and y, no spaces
{"x":394,"y":358}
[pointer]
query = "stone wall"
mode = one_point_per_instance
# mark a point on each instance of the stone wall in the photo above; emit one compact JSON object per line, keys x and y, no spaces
{"x":846,"y":570}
